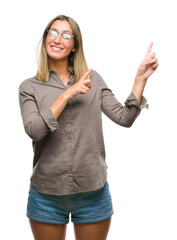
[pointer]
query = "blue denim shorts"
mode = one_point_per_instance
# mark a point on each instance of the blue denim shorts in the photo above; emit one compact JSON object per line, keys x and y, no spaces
{"x":84,"y":207}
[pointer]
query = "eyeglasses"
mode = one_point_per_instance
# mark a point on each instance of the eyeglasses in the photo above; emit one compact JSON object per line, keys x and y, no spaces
{"x":66,"y":37}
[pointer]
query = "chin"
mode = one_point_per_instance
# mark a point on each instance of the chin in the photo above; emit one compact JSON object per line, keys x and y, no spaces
{"x":57,"y":58}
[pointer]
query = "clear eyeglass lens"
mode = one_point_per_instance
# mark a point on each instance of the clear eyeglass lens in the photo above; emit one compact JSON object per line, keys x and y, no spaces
{"x":53,"y":33}
{"x":65,"y":36}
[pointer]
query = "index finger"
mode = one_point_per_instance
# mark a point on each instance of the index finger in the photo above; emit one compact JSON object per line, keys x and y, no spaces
{"x":149,"y":49}
{"x":86,"y":74}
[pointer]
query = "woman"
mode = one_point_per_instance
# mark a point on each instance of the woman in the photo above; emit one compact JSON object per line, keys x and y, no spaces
{"x":61,"y":110}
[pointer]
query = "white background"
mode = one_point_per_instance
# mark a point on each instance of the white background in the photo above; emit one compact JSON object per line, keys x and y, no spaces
{"x":142,"y":167}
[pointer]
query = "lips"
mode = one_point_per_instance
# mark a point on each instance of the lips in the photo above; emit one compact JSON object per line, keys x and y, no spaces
{"x":56,"y":48}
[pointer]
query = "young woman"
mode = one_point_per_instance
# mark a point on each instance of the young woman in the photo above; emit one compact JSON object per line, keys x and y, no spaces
{"x":61,"y":110}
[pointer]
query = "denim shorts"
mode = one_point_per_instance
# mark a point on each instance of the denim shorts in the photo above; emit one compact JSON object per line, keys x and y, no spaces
{"x":84,"y":207}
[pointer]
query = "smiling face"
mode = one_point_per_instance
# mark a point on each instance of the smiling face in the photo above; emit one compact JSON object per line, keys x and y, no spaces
{"x":55,"y":47}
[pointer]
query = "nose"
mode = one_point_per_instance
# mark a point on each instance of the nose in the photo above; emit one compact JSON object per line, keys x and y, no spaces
{"x":58,"y":39}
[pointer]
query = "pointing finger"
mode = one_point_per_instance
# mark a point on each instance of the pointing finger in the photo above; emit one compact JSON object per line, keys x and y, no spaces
{"x":149,"y":49}
{"x":86,"y":74}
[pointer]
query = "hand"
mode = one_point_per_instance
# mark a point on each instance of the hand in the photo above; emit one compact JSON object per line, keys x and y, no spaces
{"x":80,"y":87}
{"x":148,"y":65}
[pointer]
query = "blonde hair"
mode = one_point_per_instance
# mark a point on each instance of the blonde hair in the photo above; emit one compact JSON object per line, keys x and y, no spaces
{"x":76,"y":60}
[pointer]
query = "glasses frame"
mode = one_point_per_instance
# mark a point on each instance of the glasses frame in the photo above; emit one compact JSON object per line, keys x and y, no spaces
{"x":71,"y":36}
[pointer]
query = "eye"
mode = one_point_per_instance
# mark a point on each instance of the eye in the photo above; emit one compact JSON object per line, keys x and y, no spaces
{"x":53,"y":33}
{"x":66,"y":35}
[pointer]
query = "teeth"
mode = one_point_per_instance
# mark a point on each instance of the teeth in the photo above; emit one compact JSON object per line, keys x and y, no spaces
{"x":56,"y":48}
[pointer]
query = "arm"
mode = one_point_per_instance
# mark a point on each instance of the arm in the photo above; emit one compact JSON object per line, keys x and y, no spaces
{"x":59,"y":104}
{"x":37,"y":124}
{"x":113,"y":109}
{"x":126,"y":115}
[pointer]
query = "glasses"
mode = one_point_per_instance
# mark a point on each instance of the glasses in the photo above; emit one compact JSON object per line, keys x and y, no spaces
{"x":66,"y":37}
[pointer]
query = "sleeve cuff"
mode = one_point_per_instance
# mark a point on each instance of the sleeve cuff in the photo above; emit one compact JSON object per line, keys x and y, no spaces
{"x":49,"y":119}
{"x":132,"y":101}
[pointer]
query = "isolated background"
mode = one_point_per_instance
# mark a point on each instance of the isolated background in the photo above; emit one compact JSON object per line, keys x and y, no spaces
{"x":141,"y":160}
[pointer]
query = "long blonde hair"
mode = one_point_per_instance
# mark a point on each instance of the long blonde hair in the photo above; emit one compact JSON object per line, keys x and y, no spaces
{"x":76,"y":60}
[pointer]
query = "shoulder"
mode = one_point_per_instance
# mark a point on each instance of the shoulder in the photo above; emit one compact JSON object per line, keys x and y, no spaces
{"x":95,"y":75}
{"x":28,"y":83}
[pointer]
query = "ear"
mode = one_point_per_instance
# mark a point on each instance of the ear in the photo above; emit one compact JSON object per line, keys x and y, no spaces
{"x":73,"y":50}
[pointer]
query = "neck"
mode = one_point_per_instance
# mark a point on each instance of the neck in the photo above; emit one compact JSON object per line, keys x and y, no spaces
{"x":60,"y":67}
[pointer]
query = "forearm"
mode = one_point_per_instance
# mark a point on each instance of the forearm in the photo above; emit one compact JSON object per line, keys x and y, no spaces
{"x":59,"y":104}
{"x":138,"y":88}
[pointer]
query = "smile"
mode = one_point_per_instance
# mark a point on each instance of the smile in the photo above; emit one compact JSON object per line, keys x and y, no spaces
{"x":56,"y":48}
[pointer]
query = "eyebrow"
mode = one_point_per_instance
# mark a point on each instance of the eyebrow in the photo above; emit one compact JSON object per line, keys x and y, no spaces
{"x":62,"y":31}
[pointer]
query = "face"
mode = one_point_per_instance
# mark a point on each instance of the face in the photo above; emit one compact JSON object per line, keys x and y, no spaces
{"x":55,"y":47}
